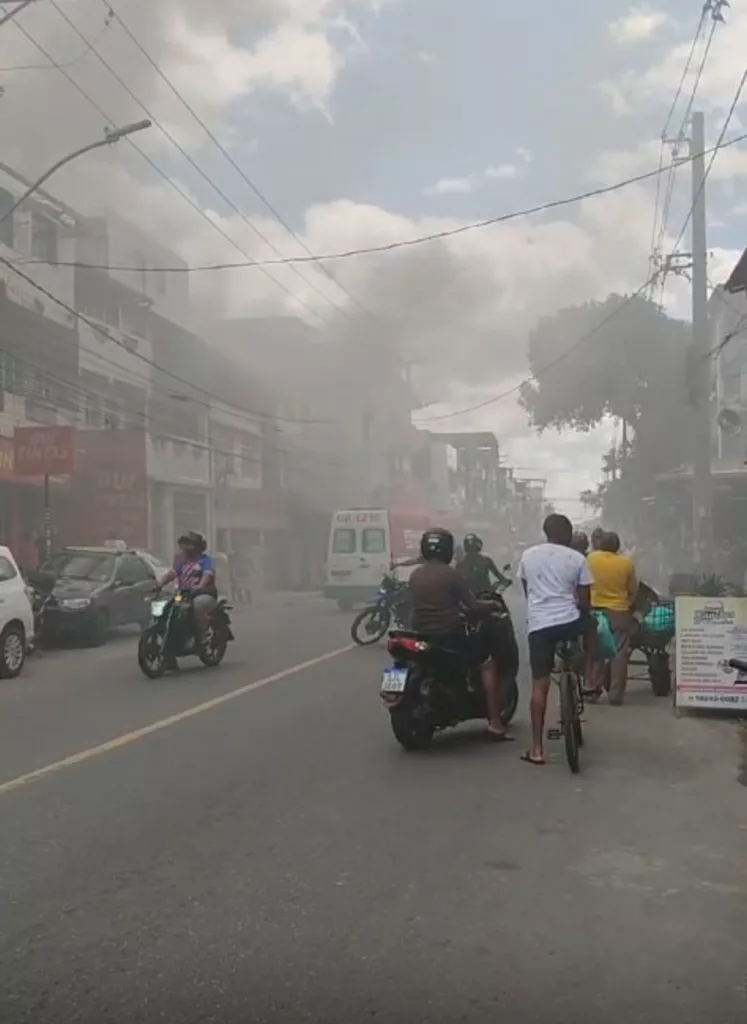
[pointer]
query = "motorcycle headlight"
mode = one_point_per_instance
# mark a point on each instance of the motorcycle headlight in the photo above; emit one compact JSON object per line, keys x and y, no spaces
{"x":75,"y":603}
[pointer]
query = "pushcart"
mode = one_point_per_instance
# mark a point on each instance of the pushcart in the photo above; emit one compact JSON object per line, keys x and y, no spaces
{"x":651,"y":641}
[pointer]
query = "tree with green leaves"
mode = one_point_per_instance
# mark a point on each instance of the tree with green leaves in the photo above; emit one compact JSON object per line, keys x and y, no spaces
{"x":625,"y":359}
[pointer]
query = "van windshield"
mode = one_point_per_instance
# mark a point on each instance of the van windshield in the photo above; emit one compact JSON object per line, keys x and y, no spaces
{"x":343,"y":542}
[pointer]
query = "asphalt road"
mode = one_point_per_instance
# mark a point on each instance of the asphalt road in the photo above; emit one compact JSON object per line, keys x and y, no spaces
{"x":276,"y":857}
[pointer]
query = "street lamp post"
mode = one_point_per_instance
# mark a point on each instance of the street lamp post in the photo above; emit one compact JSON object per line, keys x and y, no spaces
{"x":111,"y":135}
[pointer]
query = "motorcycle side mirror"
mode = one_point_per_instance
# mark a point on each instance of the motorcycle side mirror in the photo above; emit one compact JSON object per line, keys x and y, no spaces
{"x":507,"y":567}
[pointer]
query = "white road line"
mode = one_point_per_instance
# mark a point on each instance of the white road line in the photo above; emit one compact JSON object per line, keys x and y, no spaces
{"x":165,"y":723}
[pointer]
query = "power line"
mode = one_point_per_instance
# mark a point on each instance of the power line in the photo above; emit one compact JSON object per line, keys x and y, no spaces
{"x":138,"y":355}
{"x":714,"y":151}
{"x":169,"y":181}
{"x":712,"y":7}
{"x":686,"y":70}
{"x":236,"y":166}
{"x":55,"y":66}
{"x":390,"y":246}
{"x":549,"y":366}
{"x":656,"y":244}
{"x":203,"y":174}
{"x":111,"y":404}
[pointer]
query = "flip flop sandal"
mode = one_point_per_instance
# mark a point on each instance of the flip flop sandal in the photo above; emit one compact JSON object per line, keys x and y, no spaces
{"x":532,"y":760}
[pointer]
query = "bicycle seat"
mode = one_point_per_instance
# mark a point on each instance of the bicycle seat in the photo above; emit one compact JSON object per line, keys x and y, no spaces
{"x":567,"y":650}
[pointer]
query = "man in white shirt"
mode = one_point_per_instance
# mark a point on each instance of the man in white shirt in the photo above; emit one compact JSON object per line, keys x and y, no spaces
{"x":557,"y":583}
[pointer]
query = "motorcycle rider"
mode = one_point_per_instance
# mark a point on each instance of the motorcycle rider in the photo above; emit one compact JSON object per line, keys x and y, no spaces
{"x":195,"y":571}
{"x":439,"y":594}
{"x":477,"y":568}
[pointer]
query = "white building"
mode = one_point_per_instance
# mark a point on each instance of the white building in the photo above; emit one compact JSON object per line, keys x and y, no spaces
{"x":38,"y":336}
{"x":728,"y":319}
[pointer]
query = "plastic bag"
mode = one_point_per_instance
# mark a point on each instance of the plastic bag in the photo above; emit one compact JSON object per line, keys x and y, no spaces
{"x":660,"y":619}
{"x":606,"y":646}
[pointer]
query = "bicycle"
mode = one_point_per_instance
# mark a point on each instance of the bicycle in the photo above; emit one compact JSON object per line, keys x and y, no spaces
{"x":568,"y":680}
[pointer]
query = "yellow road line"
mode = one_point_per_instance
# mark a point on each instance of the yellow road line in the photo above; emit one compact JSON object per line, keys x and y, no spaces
{"x":165,"y":723}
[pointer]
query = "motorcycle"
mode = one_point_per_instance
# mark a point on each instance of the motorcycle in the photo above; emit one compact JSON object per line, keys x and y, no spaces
{"x":430,"y":688}
{"x":391,"y":601}
{"x":39,"y":587}
{"x":171,"y":635}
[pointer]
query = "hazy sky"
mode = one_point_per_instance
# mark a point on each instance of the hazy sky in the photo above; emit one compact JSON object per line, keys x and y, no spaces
{"x":370,"y":121}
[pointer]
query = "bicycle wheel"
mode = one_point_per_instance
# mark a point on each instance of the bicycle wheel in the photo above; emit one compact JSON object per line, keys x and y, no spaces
{"x":578,"y":693}
{"x":569,"y":720}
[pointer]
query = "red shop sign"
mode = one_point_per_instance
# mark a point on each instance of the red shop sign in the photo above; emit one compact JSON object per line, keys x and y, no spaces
{"x":42,"y":451}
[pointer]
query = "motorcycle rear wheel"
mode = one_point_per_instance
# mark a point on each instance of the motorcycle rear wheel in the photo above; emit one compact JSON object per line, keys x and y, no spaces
{"x":411,"y":725}
{"x":380,"y":621}
{"x":151,"y":654}
{"x":213,"y":651}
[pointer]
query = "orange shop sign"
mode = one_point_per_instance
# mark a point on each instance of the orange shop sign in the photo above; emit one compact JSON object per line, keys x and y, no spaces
{"x":42,"y":451}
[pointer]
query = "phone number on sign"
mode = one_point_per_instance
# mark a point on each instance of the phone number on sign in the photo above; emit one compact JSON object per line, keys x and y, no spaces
{"x":720,"y":699}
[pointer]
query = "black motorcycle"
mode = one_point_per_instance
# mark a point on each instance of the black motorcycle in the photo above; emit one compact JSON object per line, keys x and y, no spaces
{"x":39,"y":586}
{"x":171,"y":635}
{"x":429,"y":688}
{"x":391,"y":602}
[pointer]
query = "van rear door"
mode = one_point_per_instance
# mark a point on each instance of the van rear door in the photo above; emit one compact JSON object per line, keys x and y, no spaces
{"x":359,"y":553}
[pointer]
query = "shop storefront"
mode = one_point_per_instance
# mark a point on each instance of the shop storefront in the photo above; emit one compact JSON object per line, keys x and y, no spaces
{"x":21,"y":507}
{"x":108,"y":496}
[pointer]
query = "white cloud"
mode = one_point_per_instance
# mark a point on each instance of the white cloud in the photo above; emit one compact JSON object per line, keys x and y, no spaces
{"x":447,"y":186}
{"x":638,"y":26}
{"x":215,"y":53}
{"x":524,"y":154}
{"x":503,"y":172}
{"x":471,"y":182}
{"x":652,"y":88}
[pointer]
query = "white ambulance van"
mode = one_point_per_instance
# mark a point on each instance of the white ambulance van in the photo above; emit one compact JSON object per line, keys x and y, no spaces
{"x":358,"y":556}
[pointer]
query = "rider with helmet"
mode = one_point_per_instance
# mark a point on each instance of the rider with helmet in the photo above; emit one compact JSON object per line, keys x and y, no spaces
{"x":439,"y":595}
{"x":195,"y":572}
{"x":477,"y":568}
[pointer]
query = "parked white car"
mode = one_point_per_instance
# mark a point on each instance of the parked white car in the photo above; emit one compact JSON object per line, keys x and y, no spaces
{"x":16,"y":617}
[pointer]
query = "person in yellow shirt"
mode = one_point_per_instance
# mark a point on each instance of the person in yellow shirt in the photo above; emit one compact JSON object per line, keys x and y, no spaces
{"x":613,"y":592}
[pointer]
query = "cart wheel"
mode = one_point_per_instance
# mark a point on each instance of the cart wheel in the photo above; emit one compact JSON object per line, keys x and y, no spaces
{"x":660,"y":673}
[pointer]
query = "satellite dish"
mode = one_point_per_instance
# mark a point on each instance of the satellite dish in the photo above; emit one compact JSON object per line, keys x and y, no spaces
{"x":730,"y":422}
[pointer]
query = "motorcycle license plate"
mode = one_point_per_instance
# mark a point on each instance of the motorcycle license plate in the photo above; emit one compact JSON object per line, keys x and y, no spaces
{"x":157,"y":608}
{"x":393,"y":680}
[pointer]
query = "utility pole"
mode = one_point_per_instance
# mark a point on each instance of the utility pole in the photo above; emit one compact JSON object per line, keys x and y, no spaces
{"x":702,"y":497}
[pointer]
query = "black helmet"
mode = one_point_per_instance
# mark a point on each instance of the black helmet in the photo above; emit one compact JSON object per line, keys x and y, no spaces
{"x":193,"y":539}
{"x":472,"y":544}
{"x":437,"y":546}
